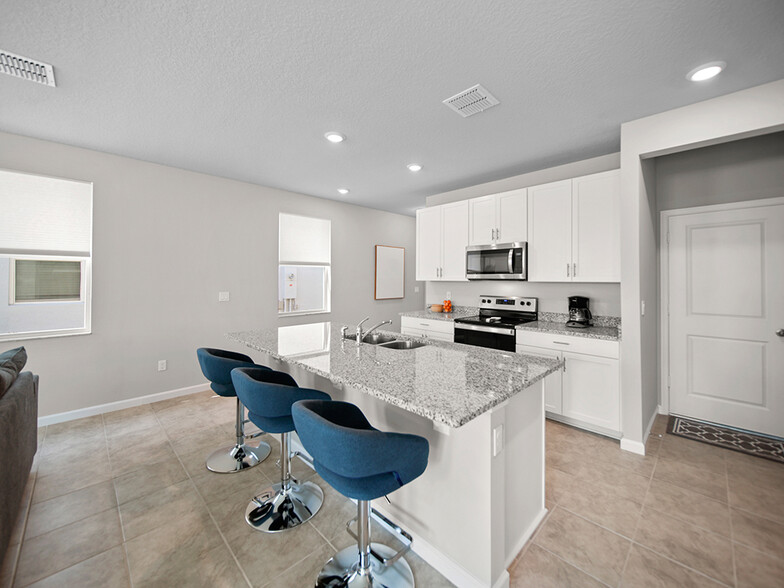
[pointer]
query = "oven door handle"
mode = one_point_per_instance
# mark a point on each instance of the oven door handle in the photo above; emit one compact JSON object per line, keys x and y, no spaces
{"x":510,"y":261}
{"x":483,"y":329}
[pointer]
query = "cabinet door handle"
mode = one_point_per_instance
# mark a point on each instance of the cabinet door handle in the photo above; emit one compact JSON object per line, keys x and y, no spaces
{"x":564,"y":365}
{"x":560,"y":343}
{"x":574,"y":270}
{"x":567,"y":270}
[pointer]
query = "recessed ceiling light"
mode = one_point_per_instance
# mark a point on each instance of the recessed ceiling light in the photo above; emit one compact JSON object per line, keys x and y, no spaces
{"x":335,"y":137}
{"x":414,"y":167}
{"x":706,"y":71}
{"x":343,"y":191}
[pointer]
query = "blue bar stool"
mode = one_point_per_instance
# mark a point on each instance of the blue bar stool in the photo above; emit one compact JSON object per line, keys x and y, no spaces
{"x":362,"y":463}
{"x":216,"y":365}
{"x":268,"y":395}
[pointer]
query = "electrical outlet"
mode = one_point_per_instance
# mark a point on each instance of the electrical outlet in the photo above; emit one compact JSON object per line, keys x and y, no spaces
{"x":223,"y":296}
{"x":498,"y":440}
{"x":162,"y":365}
{"x":448,"y":295}
{"x":416,"y":289}
{"x":642,"y":307}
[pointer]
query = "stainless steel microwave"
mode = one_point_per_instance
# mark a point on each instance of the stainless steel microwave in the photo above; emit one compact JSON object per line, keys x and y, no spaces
{"x":502,"y":261}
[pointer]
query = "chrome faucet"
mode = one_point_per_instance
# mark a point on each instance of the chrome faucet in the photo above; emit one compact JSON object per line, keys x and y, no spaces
{"x":374,"y":327}
{"x":360,"y":334}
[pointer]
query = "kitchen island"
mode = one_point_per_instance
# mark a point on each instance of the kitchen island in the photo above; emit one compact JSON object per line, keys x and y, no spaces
{"x":482,"y":411}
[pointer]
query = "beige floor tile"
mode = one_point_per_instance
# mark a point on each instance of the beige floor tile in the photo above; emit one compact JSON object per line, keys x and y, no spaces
{"x":615,"y":513}
{"x":689,"y":506}
{"x":424,"y":574}
{"x":694,"y":453}
{"x":75,"y":459}
{"x":71,"y":430}
{"x":687,"y":476}
{"x":304,"y":572}
{"x":168,"y":555}
{"x":742,"y":467}
{"x":105,"y":570}
{"x":761,"y":534}
{"x":186,"y":400}
{"x":161,"y":508}
{"x":204,"y":440}
{"x":88,"y":473}
{"x":542,"y":569}
{"x":645,"y":569}
{"x":8,"y":566}
{"x":129,"y":420}
{"x":612,"y":478}
{"x":589,"y":547}
{"x":127,"y":455}
{"x":266,"y":555}
{"x":148,"y":479}
{"x":760,"y":499}
{"x":557,"y":482}
{"x":693,"y":547}
{"x":214,"y":488}
{"x":757,"y":570}
{"x":57,"y":550}
{"x":336,"y":511}
{"x":660,"y":425}
{"x":610,"y":451}
{"x":24,"y":508}
{"x":69,"y":508}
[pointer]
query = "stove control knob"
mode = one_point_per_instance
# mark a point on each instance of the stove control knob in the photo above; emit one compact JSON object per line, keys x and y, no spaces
{"x":528,"y":303}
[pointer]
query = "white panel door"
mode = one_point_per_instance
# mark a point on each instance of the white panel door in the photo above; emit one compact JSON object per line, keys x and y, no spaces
{"x":591,"y":390}
{"x":552,"y":383}
{"x":726,"y":303}
{"x":596,"y":228}
{"x":550,"y":232}
{"x":512,"y":211}
{"x":454,"y":225}
{"x":428,"y":243}
{"x":482,"y":216}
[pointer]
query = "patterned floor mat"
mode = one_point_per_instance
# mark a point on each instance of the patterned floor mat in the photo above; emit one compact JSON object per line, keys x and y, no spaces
{"x":743,"y":441}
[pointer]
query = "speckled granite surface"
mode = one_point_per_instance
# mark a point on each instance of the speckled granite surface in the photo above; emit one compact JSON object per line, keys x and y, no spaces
{"x":446,"y":382}
{"x":560,"y":328}
{"x":457,"y":312}
{"x":562,"y":317}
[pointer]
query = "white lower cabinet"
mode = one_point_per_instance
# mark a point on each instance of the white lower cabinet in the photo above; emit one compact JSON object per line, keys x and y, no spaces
{"x":586,"y":391}
{"x":434,"y":329}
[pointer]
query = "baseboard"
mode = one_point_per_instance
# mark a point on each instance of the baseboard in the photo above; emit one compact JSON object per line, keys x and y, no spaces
{"x":662,"y":410}
{"x":633,"y":446}
{"x":80,"y":413}
{"x":524,"y":538}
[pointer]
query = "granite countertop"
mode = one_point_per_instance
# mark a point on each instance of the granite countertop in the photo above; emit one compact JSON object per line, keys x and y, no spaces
{"x":449,"y":383}
{"x":559,"y":328}
{"x":457,"y":312}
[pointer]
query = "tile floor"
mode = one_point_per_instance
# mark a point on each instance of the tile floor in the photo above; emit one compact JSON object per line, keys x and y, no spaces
{"x":686,"y":514}
{"x":124,"y":499}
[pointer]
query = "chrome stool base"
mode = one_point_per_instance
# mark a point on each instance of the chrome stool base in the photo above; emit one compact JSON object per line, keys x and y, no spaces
{"x":341,"y":571}
{"x":237,"y":458}
{"x":277,"y":509}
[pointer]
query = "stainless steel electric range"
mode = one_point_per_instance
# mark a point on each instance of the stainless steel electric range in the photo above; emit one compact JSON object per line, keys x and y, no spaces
{"x":494,"y":326}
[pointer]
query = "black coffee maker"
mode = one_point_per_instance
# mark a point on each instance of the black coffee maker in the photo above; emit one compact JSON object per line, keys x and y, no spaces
{"x":579,"y":315}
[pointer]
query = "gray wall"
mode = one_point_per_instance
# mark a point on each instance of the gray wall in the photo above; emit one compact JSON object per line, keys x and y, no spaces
{"x":738,"y":171}
{"x":165,"y":242}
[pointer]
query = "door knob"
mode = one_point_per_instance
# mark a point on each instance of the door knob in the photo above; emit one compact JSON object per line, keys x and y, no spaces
{"x":780,"y":332}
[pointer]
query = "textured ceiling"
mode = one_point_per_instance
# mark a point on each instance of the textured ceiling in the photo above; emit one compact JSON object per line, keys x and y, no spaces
{"x":246,"y":89}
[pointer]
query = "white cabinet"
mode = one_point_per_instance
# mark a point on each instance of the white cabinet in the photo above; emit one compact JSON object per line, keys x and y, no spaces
{"x":434,"y":329}
{"x":498,"y":218}
{"x":574,"y":230}
{"x":442,"y":236}
{"x":586,"y":392}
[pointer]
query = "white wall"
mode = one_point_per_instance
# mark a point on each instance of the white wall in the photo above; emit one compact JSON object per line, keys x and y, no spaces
{"x":165,"y":242}
{"x":605,"y":299}
{"x":736,"y":116}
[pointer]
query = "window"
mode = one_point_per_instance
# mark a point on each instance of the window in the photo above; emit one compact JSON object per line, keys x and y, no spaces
{"x":45,"y":256}
{"x":303,"y":265}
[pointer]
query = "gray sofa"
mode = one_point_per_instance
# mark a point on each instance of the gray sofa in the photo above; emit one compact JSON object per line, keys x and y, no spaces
{"x":18,"y":436}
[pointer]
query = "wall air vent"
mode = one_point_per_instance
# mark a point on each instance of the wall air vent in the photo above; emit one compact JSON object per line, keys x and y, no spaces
{"x":27,"y":69}
{"x":471,"y":101}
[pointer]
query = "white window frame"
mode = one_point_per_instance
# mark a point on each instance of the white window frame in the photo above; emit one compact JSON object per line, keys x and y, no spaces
{"x":327,"y":273}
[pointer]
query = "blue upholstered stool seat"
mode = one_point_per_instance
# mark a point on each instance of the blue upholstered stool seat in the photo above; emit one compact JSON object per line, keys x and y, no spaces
{"x":269,"y":395}
{"x":216,"y":365}
{"x":363,"y":463}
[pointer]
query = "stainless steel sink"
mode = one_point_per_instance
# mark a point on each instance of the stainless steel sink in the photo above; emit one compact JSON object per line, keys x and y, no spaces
{"x":377,"y":338}
{"x":403,"y":344}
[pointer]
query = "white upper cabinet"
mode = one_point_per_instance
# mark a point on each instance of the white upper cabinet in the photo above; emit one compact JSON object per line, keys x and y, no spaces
{"x":596,"y":228}
{"x":550,"y":232}
{"x":442,"y":236}
{"x":498,"y":218}
{"x":574,"y":230}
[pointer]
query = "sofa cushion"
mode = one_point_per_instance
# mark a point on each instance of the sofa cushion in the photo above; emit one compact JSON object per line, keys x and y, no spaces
{"x":11,"y":363}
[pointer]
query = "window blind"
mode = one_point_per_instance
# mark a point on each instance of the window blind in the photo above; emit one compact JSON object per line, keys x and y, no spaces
{"x":303,"y":239}
{"x":47,"y":280}
{"x":44,"y":216}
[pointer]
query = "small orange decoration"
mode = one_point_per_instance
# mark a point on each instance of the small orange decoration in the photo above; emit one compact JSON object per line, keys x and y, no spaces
{"x":447,"y":306}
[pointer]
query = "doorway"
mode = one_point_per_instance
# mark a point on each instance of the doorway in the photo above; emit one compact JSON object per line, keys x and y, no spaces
{"x":722,"y":270}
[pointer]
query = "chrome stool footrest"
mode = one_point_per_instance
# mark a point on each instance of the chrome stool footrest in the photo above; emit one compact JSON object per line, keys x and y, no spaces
{"x":400,"y":534}
{"x":342,"y":570}
{"x":277,"y":508}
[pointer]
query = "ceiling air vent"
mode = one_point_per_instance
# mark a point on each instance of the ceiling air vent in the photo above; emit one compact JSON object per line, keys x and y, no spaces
{"x":27,"y":69}
{"x":471,"y":101}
